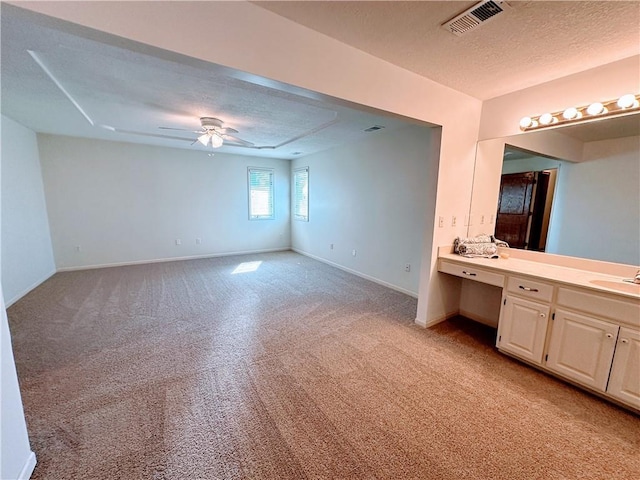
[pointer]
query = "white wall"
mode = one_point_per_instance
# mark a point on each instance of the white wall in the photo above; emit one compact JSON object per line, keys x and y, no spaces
{"x":372,"y":196}
{"x":17,"y":461}
{"x":27,"y":257}
{"x":124,"y":203}
{"x":596,"y":212}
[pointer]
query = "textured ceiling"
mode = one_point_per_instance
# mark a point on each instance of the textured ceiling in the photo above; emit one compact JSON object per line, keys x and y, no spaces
{"x":530,"y":43}
{"x":62,"y":79}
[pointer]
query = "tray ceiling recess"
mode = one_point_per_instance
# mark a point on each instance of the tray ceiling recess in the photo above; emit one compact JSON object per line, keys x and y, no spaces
{"x":62,"y":80}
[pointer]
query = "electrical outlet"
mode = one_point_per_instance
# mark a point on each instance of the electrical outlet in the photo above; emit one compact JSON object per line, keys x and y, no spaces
{"x":454,"y":221}
{"x":178,"y":241}
{"x":353,"y":252}
{"x":440,"y":222}
{"x":331,"y":246}
{"x":492,"y":219}
{"x":78,"y":249}
{"x":198,"y":241}
{"x":481,"y":219}
{"x":407,"y":267}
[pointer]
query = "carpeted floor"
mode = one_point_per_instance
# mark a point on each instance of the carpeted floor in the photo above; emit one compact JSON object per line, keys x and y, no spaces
{"x":287,"y":369}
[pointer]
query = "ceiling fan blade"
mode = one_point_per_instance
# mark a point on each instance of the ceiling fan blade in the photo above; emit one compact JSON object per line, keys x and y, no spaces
{"x":232,"y":139}
{"x":181,"y":129}
{"x":144,"y":134}
{"x":228,"y":130}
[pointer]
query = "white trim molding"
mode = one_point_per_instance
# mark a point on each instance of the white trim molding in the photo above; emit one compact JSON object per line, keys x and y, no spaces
{"x":28,"y":468}
{"x":170,"y":259}
{"x":36,"y":284}
{"x":357,"y":273}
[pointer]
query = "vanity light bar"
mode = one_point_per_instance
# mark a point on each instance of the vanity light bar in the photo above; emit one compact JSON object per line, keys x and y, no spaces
{"x":624,"y":104}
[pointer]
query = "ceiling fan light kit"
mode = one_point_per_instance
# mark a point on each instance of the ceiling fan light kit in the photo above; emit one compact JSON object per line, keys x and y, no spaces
{"x":597,"y":110}
{"x":213,"y":132}
{"x":216,"y":140}
{"x":204,"y":139}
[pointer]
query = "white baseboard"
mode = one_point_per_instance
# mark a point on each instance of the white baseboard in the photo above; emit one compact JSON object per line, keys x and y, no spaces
{"x":437,"y":320}
{"x":357,"y":273}
{"x":170,"y":259}
{"x":28,"y":468}
{"x":17,"y":297}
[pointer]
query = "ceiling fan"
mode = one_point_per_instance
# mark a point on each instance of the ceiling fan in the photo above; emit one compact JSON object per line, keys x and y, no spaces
{"x":214,"y":133}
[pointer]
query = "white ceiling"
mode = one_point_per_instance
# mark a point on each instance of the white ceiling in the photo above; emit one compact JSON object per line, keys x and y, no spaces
{"x":61,"y":79}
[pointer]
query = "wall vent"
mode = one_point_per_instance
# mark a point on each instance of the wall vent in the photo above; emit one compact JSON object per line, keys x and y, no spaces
{"x":374,"y":128}
{"x":475,"y":16}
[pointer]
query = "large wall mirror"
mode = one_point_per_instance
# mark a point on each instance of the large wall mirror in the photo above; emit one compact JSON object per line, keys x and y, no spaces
{"x":572,"y":190}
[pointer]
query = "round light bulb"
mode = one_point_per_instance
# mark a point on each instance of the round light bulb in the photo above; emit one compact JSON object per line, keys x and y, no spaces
{"x":570,"y":113}
{"x":595,"y":108}
{"x":628,"y":101}
{"x":216,"y":140}
{"x":526,"y":122}
{"x":546,"y":119}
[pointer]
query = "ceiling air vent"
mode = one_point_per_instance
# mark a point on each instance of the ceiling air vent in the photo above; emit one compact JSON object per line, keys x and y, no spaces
{"x":374,"y":128}
{"x":475,"y":16}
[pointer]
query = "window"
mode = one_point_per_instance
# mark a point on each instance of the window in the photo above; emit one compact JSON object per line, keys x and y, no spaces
{"x":260,"y":194}
{"x":301,"y":194}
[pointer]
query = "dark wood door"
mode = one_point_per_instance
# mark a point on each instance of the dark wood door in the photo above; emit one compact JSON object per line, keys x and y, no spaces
{"x":514,"y":205}
{"x":536,"y":240}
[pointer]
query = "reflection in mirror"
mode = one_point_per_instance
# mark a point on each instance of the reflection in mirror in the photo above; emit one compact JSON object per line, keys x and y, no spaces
{"x":525,"y":200}
{"x":595,"y":210}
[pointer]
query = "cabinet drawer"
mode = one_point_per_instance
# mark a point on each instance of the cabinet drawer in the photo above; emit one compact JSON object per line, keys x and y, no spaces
{"x":472,"y":273}
{"x":530,"y":288}
{"x":623,"y":311}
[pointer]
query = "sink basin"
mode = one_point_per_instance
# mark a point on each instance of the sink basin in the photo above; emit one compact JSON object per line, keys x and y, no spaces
{"x":620,"y":286}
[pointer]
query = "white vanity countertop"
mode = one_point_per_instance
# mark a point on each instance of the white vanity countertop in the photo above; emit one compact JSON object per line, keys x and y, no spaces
{"x":545,"y":271}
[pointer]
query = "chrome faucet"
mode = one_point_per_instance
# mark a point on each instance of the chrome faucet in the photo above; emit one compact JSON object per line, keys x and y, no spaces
{"x":635,"y":279}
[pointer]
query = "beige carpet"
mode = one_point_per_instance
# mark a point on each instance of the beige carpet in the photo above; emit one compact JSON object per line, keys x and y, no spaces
{"x":186,"y":370}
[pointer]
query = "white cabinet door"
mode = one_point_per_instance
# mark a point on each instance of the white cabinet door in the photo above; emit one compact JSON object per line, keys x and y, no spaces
{"x":624,"y":383}
{"x":581,"y":348}
{"x":523,"y":327}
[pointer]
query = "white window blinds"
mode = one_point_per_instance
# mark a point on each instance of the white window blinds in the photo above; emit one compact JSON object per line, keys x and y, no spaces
{"x":301,"y":194}
{"x":260,"y":193}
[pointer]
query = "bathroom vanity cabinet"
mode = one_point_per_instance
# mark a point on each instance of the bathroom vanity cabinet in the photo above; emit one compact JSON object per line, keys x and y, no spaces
{"x":563,"y":321}
{"x":524,"y":318}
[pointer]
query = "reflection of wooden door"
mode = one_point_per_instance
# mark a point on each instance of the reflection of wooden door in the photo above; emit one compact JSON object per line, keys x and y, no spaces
{"x":512,"y":219}
{"x":537,"y":217}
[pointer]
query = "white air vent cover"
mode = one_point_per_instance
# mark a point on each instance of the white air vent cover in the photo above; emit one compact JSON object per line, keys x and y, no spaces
{"x":475,"y":16}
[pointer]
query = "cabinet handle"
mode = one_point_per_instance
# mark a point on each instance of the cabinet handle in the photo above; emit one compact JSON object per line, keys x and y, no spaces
{"x":609,"y":335}
{"x":624,"y":340}
{"x":528,"y":289}
{"x":471,"y":274}
{"x":542,"y":315}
